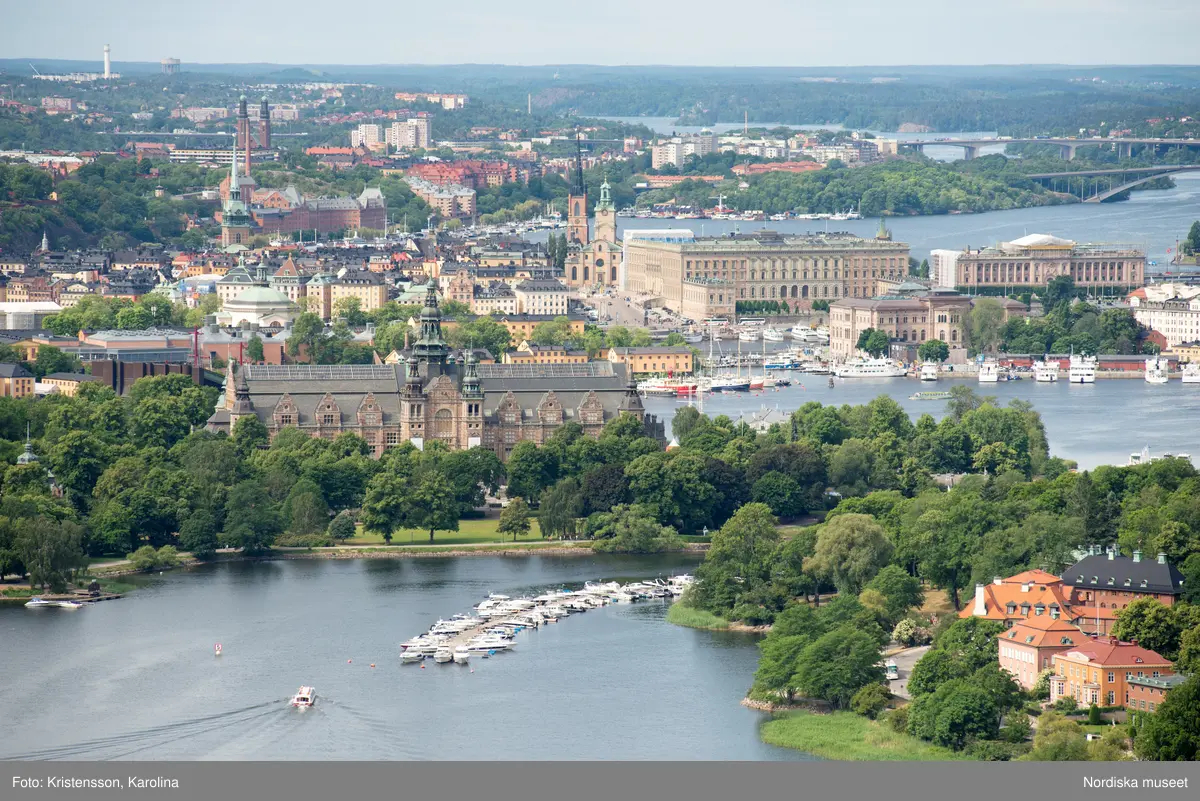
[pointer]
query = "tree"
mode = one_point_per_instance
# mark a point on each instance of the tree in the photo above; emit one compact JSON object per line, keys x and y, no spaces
{"x":249,"y":434}
{"x":482,"y":332}
{"x":198,"y":534}
{"x":837,"y":665}
{"x":1058,"y":739}
{"x":144,"y":559}
{"x":781,"y":493}
{"x":305,"y":509}
{"x":870,"y":700}
{"x":901,"y":591}
{"x":514,"y":519}
{"x":1059,"y":289}
{"x":530,"y":470}
{"x":52,"y":360}
{"x":954,"y":715}
{"x":1172,"y":733}
{"x":634,"y":530}
{"x":254,"y":348}
{"x":51,"y":551}
{"x":934,"y":669}
{"x":384,"y":508}
{"x":431,"y":506}
{"x":1153,"y":625}
{"x":159,"y":422}
{"x":851,"y":549}
{"x":874,"y":341}
{"x":1189,"y":651}
{"x":933,"y":350}
{"x":252,"y":519}
{"x":985,"y":322}
{"x":342,"y":527}
{"x":560,"y":508}
{"x":604,"y":487}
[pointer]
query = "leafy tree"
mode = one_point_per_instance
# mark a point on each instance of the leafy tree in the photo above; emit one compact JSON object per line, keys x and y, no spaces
{"x":953,"y":715}
{"x":144,"y":559}
{"x":634,"y":530}
{"x":198,"y":534}
{"x":305,"y":509}
{"x":254,"y":348}
{"x":53,"y":360}
{"x":252,"y":519}
{"x":342,"y":527}
{"x":870,"y":700}
{"x":933,"y":350}
{"x":560,"y":508}
{"x":781,"y":493}
{"x":50,"y":550}
{"x":482,"y":332}
{"x":851,"y":549}
{"x":514,"y":519}
{"x":1172,"y":733}
{"x":901,"y":591}
{"x":249,"y":434}
{"x":1058,"y":740}
{"x":873,"y":341}
{"x":530,"y":470}
{"x":604,"y":488}
{"x":740,"y":554}
{"x":1153,"y":625}
{"x":431,"y":506}
{"x":837,"y":665}
{"x":985,"y":322}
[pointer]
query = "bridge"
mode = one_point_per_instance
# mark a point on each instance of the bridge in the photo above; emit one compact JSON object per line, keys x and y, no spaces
{"x":1096,"y":186}
{"x":1067,"y":146}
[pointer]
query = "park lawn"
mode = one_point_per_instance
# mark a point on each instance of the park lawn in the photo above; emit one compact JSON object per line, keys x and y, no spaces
{"x":682,"y":615}
{"x":850,"y":737}
{"x":937,"y":602}
{"x":469,"y":532}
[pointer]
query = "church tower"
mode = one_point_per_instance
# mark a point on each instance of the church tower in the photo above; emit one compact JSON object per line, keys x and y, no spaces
{"x":243,"y":130}
{"x":264,"y":125}
{"x":577,"y":211}
{"x":606,"y":215}
{"x":430,"y":347}
{"x":235,"y":219}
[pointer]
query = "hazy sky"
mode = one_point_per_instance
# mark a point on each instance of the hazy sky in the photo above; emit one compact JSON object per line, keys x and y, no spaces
{"x":694,"y":32}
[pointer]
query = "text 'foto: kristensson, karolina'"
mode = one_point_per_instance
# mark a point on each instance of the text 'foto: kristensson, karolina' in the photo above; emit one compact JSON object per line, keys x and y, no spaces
{"x":1114,"y":782}
{"x":77,"y":783}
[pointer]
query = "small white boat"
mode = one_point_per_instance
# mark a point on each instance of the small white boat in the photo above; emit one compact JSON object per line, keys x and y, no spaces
{"x":412,"y":655}
{"x":1191,"y":373}
{"x":772,"y":335}
{"x":217,"y":649}
{"x":461,"y":655}
{"x":989,"y":372}
{"x":1156,"y":370}
{"x":40,"y":603}
{"x":929,"y":371}
{"x":304,"y":697}
{"x":443,"y":655}
{"x":748,"y":335}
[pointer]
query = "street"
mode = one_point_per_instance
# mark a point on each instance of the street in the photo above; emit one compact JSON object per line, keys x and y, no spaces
{"x":904,"y":662}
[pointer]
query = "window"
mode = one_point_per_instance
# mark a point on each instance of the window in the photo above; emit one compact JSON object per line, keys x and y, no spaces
{"x":327,"y":419}
{"x":1112,"y":676}
{"x":285,"y":419}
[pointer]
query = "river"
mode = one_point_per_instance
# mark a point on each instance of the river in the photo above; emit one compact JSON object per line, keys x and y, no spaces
{"x":136,"y":678}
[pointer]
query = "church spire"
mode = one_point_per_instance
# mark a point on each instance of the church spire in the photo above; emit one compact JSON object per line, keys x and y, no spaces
{"x":470,"y":384}
{"x":235,"y":189}
{"x":577,"y":185}
{"x":605,"y":202}
{"x":28,"y":456}
{"x":45,"y":242}
{"x":430,"y":347}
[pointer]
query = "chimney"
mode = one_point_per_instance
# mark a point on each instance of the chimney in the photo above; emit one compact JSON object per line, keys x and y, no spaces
{"x":980,"y":609}
{"x":1027,"y":586}
{"x":1112,"y":553}
{"x":1113,"y":641}
{"x":1133,"y":642}
{"x":1137,"y":556}
{"x":1162,"y":558}
{"x":997,"y":580}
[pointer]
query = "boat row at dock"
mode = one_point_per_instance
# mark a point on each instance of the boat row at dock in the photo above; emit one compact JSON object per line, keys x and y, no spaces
{"x":493,"y":625}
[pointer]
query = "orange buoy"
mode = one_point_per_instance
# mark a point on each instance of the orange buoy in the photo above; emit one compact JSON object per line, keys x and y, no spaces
{"x":372,"y":664}
{"x":422,"y":667}
{"x":348,"y":661}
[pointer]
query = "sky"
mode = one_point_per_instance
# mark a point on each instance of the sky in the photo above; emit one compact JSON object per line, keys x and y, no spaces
{"x":799,"y":33}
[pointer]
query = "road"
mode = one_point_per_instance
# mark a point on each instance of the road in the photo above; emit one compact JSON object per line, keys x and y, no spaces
{"x":618,"y":310}
{"x":904,"y":661}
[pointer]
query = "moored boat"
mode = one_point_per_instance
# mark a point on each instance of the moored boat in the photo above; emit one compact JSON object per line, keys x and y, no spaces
{"x":869,"y":368}
{"x":1045,"y":371}
{"x":989,"y":372}
{"x":929,"y":371}
{"x":1082,"y":369}
{"x":1156,"y":370}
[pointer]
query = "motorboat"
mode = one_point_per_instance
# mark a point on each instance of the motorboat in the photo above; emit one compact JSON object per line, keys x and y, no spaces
{"x":1156,"y":370}
{"x":1045,"y":371}
{"x":412,"y":655}
{"x":748,"y":335}
{"x":304,"y":697}
{"x":1082,"y":369}
{"x":869,"y":368}
{"x":772,"y":335}
{"x":40,"y":603}
{"x":1145,"y":458}
{"x":989,"y":372}
{"x":443,"y":655}
{"x":929,"y":371}
{"x":693,"y":339}
{"x":461,"y":655}
{"x":1191,"y":373}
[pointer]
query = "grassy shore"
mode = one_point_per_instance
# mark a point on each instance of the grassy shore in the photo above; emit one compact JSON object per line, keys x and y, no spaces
{"x":469,"y":532}
{"x":850,"y":737}
{"x":682,"y":615}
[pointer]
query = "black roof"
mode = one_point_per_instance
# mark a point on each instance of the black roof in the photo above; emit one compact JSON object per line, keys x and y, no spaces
{"x":8,"y":370}
{"x":1123,"y":572}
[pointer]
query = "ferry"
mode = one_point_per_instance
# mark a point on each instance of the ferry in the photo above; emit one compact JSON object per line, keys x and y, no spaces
{"x":1191,"y":373}
{"x":870,"y":368}
{"x":304,"y":698}
{"x":772,"y":335}
{"x":1082,"y":370}
{"x":789,"y":364}
{"x":1156,"y":370}
{"x":929,"y":371}
{"x":693,"y":339}
{"x":930,"y":396}
{"x":748,"y":335}
{"x":1045,"y":371}
{"x":989,"y":372}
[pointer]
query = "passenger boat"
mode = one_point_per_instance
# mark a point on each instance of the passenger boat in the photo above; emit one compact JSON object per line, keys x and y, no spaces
{"x":989,"y":372}
{"x":930,"y":396}
{"x":1045,"y":371}
{"x":1191,"y":373}
{"x":869,"y":368}
{"x":789,"y":364}
{"x":1145,"y":458}
{"x":730,"y":384}
{"x":929,"y":371}
{"x":748,"y":335}
{"x":1082,"y":369}
{"x":1156,"y":370}
{"x":304,"y":698}
{"x":772,"y":335}
{"x":692,"y":339}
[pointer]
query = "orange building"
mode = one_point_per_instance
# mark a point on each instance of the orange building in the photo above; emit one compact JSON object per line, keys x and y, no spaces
{"x":1099,"y":670}
{"x":665,"y":359}
{"x":1031,"y":594}
{"x":528,"y":353}
{"x":1028,"y":647}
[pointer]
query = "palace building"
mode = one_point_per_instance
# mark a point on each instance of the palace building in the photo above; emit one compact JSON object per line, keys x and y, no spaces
{"x":433,"y":394}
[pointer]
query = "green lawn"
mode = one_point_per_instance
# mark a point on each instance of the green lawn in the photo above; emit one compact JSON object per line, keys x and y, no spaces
{"x":846,"y":736}
{"x":682,"y":615}
{"x":469,"y":531}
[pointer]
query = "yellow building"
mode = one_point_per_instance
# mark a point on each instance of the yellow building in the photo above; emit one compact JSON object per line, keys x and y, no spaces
{"x":15,"y":381}
{"x":68,"y":383}
{"x":367,"y":286}
{"x":520,"y":326}
{"x":529,"y":353}
{"x":1186,"y":351}
{"x":664,"y":359}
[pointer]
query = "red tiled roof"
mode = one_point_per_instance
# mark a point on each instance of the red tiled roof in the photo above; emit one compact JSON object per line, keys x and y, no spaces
{"x":1111,"y":653}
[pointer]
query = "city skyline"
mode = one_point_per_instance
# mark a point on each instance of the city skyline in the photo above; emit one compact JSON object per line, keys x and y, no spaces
{"x":922,"y":32}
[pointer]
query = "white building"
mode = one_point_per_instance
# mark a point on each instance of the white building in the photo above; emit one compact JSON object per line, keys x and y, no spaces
{"x":943,"y":267}
{"x":366,"y":135}
{"x":542,"y":296}
{"x":1172,"y":310}
{"x":409,"y":134}
{"x":675,"y":151}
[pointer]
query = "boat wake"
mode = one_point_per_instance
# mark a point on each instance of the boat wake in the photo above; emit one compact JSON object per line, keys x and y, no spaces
{"x":122,"y":746}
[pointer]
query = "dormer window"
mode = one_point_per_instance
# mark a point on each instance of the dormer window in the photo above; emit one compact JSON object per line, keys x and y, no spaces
{"x":1011,"y":607}
{"x":1094,"y":579}
{"x":1144,"y":582}
{"x":1029,"y":638}
{"x":1128,"y":582}
{"x":1080,"y":579}
{"x":1111,"y":581}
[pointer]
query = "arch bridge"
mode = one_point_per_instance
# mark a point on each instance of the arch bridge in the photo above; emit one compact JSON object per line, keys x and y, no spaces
{"x":1096,"y":186}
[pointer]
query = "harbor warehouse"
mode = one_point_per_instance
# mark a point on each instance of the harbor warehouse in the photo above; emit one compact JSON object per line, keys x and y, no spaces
{"x":705,"y":276}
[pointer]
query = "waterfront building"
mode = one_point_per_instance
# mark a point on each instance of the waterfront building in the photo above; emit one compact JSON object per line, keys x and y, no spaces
{"x":910,"y":315}
{"x":761,"y":266}
{"x":1172,"y":310}
{"x":432,"y":395}
{"x":1099,"y":669}
{"x":1028,"y":648}
{"x":654,"y":359}
{"x":1031,"y":262}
